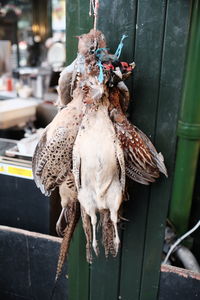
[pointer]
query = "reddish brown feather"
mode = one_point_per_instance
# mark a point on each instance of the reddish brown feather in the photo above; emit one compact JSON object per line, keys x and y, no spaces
{"x":140,"y":155}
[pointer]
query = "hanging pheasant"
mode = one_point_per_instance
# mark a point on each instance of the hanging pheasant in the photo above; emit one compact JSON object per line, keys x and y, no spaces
{"x":52,"y":161}
{"x":93,"y":129}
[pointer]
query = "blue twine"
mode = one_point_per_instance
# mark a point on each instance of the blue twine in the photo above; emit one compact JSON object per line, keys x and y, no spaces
{"x":120,"y":46}
{"x":100,"y":77}
{"x":99,"y":51}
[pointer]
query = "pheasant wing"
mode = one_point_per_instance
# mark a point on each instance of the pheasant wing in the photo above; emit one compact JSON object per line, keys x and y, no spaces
{"x":158,"y":157}
{"x":143,"y":163}
{"x":52,"y":160}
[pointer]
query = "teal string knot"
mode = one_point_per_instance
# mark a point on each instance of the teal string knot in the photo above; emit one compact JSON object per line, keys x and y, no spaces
{"x":100,"y":77}
{"x":120,"y":46}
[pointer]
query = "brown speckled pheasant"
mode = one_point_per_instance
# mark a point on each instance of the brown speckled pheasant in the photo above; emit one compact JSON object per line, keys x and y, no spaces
{"x":98,"y":166}
{"x":52,"y":161}
{"x":52,"y":164}
{"x":67,"y":81}
{"x":93,"y":126}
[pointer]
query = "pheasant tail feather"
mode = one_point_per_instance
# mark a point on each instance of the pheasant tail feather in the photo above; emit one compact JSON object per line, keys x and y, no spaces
{"x":68,"y":233}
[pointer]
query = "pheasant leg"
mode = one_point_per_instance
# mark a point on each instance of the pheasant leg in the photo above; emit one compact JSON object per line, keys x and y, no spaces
{"x":94,"y":240}
{"x":114,"y":218}
{"x":88,"y":233}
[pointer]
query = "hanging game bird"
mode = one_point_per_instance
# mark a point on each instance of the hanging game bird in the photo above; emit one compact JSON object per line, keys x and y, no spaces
{"x":98,"y":166}
{"x":89,"y":146}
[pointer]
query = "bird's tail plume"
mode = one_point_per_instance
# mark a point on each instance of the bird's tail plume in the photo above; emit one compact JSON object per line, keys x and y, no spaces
{"x":73,"y":218}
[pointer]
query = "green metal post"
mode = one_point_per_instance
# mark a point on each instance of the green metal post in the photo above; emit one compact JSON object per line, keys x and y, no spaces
{"x":188,"y":131}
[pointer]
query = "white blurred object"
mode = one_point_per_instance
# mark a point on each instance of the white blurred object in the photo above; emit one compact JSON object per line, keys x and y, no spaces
{"x":27,"y":145}
{"x":25,"y":91}
{"x":56,"y":55}
{"x":16,"y":112}
{"x":39,"y":87}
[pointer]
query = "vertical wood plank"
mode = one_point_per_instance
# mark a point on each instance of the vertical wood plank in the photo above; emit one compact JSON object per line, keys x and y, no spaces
{"x":148,"y":51}
{"x":79,"y":272}
{"x":77,"y":22}
{"x":115,"y":19}
{"x":104,"y":278}
{"x":172,"y":69}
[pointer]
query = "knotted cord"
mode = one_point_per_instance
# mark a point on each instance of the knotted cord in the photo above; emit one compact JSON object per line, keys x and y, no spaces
{"x":120,"y":46}
{"x":94,"y":7}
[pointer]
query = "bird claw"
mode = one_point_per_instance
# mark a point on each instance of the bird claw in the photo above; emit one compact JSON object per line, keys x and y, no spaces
{"x":89,"y":255}
{"x":61,"y":221}
{"x":123,"y":219}
{"x":59,"y":229}
{"x":116,"y":245}
{"x":95,"y":247}
{"x":65,"y":216}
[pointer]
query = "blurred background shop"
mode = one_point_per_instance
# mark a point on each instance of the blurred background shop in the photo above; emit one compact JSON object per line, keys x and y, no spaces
{"x":32,"y":55}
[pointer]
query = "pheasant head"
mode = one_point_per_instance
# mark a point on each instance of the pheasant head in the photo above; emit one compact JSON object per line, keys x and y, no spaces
{"x":90,"y":42}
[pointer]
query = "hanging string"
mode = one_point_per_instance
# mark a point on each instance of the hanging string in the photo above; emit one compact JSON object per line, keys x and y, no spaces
{"x":94,"y":6}
{"x":91,"y":7}
{"x":120,"y":46}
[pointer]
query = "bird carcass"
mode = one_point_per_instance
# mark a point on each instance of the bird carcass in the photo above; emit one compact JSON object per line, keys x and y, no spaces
{"x":90,"y":145}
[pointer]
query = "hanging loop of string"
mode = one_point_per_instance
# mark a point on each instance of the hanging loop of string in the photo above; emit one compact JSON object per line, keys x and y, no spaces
{"x":94,"y":7}
{"x":120,"y":46}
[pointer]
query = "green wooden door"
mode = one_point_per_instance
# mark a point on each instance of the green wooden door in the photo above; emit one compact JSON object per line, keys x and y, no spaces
{"x":157,"y":37}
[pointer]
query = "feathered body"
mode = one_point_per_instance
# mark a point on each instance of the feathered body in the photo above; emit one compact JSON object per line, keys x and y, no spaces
{"x":52,"y":165}
{"x":68,"y":80}
{"x":98,"y":166}
{"x":92,"y":129}
{"x":53,"y":155}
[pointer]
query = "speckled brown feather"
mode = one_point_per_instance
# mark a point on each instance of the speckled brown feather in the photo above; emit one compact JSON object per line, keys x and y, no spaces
{"x":143,"y":163}
{"x":107,"y":233}
{"x":73,"y":214}
{"x":52,"y":159}
{"x":64,"y":88}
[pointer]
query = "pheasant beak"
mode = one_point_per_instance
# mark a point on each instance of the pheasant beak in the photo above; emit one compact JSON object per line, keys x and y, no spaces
{"x":118,"y":72}
{"x":132,"y":65}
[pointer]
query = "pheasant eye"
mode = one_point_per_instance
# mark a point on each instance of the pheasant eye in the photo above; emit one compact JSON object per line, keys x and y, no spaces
{"x":92,"y":50}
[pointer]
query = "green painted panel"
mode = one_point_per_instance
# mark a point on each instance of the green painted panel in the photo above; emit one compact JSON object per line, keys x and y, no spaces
{"x":171,"y":79}
{"x":78,"y":267}
{"x":104,"y":277}
{"x":133,"y":242}
{"x":115,"y":19}
{"x":77,"y":22}
{"x":148,"y":53}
